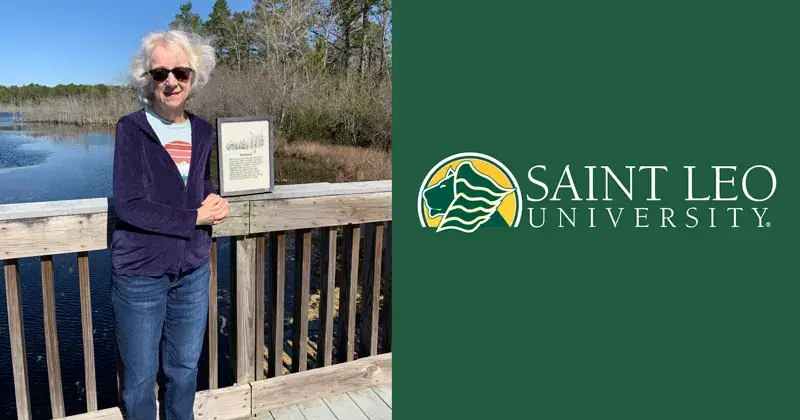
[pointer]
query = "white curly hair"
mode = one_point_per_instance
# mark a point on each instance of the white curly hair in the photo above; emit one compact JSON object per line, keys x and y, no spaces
{"x":201,"y":54}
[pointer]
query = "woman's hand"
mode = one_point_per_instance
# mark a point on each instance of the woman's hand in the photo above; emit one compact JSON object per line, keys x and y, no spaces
{"x":213,"y":210}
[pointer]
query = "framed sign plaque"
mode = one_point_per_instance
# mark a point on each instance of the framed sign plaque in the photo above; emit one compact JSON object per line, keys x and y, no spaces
{"x":245,"y":148}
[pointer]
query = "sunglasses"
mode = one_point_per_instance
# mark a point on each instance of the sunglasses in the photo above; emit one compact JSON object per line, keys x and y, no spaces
{"x":181,"y":73}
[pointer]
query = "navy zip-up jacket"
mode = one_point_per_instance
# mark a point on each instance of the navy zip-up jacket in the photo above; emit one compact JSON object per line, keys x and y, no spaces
{"x":157,"y":233}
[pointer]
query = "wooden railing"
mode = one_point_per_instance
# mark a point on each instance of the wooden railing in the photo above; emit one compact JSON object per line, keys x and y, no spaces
{"x":258,"y":227}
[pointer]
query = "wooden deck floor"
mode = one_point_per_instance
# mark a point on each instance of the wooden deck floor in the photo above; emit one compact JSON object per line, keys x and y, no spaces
{"x":364,"y":404}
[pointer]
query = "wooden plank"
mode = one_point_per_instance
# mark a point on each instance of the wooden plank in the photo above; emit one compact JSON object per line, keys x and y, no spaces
{"x":371,"y":404}
{"x":54,"y":208}
{"x":316,"y":410}
{"x":386,"y":345}
{"x":315,"y":212}
{"x":227,"y":403}
{"x":17,"y":336}
{"x":260,"y":256}
{"x":51,"y":338}
{"x":318,"y":189}
{"x":245,"y":309}
{"x":371,"y":290}
{"x":237,"y":223}
{"x":385,"y":392}
{"x":33,"y":236}
{"x":347,"y":295}
{"x":103,"y":205}
{"x":325,"y":346}
{"x":88,"y":334}
{"x":112,"y":413}
{"x":233,"y":402}
{"x":213,"y":329}
{"x":289,"y":412}
{"x":275,"y":298}
{"x":302,"y":282}
{"x":343,"y":407}
{"x":321,"y":382}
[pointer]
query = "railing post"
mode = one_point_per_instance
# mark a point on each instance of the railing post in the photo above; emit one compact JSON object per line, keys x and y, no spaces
{"x":15,"y":330}
{"x":275,"y":294}
{"x":386,"y":344}
{"x":244,"y":283}
{"x":51,"y":338}
{"x":345,"y":351}
{"x":302,"y":280}
{"x":259,"y":295}
{"x":211,"y":333}
{"x":371,"y":290}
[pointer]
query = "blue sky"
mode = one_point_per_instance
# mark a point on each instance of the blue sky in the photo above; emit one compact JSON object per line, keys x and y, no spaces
{"x":82,"y":41}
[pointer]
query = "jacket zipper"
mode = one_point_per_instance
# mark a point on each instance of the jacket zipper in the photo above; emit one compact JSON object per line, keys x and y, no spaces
{"x":183,"y":243}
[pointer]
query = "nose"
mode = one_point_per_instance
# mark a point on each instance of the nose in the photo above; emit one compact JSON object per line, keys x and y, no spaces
{"x":171,"y":81}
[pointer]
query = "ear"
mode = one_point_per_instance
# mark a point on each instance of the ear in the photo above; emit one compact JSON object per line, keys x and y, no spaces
{"x":450,"y":172}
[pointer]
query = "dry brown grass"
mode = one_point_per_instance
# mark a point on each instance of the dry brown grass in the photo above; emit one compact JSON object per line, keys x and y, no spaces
{"x":344,"y":163}
{"x":78,"y":109}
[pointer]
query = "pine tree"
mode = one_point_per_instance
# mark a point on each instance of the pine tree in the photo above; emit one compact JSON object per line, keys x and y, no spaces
{"x":186,"y":20}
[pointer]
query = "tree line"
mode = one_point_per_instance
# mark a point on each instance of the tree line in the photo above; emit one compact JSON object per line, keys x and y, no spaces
{"x":36,"y":93}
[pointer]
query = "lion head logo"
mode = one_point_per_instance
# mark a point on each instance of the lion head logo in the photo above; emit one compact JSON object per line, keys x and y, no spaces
{"x":467,"y":191}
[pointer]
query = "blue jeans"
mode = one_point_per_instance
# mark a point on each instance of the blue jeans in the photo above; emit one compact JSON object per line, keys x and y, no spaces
{"x":169,"y":312}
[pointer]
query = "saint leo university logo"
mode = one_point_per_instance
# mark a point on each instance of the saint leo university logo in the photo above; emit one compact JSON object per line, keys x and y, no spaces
{"x":467,"y":191}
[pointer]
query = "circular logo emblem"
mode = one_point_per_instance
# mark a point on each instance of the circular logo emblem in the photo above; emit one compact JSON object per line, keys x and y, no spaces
{"x":467,"y":191}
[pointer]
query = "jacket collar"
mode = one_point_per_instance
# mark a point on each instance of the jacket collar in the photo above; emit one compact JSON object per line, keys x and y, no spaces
{"x":139,"y":119}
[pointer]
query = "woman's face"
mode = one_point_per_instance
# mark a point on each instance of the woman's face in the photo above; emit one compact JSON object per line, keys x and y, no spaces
{"x":172,"y":92}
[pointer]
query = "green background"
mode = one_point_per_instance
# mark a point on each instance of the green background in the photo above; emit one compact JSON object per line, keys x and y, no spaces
{"x":580,"y":323}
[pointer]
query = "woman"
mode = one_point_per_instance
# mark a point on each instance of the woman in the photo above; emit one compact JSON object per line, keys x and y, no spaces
{"x":166,"y":205}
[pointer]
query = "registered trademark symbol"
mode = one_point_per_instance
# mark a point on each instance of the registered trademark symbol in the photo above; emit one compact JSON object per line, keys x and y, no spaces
{"x":768,"y":224}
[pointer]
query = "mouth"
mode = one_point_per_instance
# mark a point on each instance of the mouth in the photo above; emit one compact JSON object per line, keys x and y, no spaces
{"x":171,"y":94}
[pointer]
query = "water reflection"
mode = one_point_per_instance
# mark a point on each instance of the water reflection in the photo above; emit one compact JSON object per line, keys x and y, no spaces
{"x":46,"y":162}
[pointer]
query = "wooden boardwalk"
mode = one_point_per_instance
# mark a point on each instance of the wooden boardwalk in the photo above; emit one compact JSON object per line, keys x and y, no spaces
{"x":353,"y":226}
{"x":364,"y":404}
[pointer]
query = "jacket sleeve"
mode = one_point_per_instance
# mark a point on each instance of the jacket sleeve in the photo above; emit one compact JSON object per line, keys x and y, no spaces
{"x":131,"y":204}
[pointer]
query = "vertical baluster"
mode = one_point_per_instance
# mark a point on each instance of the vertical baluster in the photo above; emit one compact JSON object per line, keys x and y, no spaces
{"x":347,"y":295}
{"x":212,"y":333}
{"x":260,"y":256}
{"x":17,"y":336}
{"x":51,"y":338}
{"x":245,"y":309}
{"x":325,"y":346}
{"x":387,"y":291}
{"x":88,"y":334}
{"x":277,"y":249}
{"x":371,"y":291}
{"x":302,"y":281}
{"x":366,"y":288}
